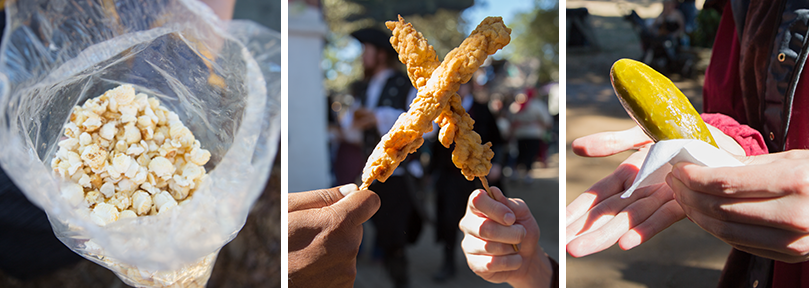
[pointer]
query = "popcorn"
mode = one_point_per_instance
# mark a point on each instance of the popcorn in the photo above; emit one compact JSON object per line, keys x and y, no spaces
{"x":141,"y":202}
{"x":73,"y":193}
{"x":93,"y":197}
{"x":92,"y":123}
{"x":132,"y":134}
{"x":127,"y":214}
{"x":161,"y":167}
{"x":69,"y":143}
{"x":85,"y":138}
{"x":200,"y":156}
{"x":121,"y":201}
{"x":164,"y":201}
{"x":108,"y":189}
{"x":104,"y":214}
{"x":123,"y":94}
{"x":84,"y":181}
{"x":94,"y":157}
{"x":125,"y":156}
{"x":135,"y":149}
{"x":108,"y":130}
{"x":72,"y":130}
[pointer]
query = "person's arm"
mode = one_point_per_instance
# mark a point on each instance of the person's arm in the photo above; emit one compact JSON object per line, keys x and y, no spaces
{"x":325,"y":231}
{"x":222,"y":8}
{"x":490,"y":229}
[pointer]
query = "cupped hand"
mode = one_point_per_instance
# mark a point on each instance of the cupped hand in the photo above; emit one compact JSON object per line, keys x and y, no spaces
{"x":325,"y":231}
{"x":599,"y":217}
{"x":491,"y":228}
{"x":760,"y":208}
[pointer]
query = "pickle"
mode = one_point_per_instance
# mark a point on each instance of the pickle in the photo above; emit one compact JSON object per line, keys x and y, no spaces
{"x":656,"y":105}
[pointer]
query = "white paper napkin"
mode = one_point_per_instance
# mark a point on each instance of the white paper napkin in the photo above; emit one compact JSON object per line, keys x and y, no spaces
{"x":665,"y":153}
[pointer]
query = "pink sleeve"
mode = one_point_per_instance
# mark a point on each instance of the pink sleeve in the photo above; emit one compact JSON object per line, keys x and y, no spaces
{"x":750,"y":139}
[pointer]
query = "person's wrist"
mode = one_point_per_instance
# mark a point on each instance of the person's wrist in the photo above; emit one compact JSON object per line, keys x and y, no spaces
{"x":539,"y":273}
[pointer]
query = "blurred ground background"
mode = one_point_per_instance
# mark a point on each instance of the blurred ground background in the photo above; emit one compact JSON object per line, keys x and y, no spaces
{"x":681,"y":256}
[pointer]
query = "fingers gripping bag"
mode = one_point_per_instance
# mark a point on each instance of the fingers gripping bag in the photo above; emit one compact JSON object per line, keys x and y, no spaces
{"x":144,"y":129}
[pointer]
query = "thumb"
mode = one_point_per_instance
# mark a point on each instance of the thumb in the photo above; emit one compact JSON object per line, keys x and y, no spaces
{"x":318,"y":198}
{"x":609,"y":143}
{"x":357,"y":207}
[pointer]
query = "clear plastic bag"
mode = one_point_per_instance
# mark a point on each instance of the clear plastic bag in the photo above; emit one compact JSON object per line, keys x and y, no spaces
{"x":222,"y":79}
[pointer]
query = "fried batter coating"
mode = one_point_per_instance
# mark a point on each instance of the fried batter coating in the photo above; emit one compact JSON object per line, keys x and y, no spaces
{"x":472,"y":157}
{"x":459,"y":65}
{"x":414,"y":52}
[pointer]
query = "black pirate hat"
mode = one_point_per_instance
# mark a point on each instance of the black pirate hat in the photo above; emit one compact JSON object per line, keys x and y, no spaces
{"x":376,"y":37}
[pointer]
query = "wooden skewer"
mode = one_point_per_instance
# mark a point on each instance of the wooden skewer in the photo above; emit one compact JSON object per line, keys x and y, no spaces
{"x":491,"y":195}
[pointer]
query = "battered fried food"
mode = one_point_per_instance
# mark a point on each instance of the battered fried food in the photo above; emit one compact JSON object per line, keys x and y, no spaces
{"x":472,"y":157}
{"x":435,"y":87}
{"x":414,"y":52}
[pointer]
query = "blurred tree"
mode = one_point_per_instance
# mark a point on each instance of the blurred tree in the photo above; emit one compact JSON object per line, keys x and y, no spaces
{"x":384,"y":10}
{"x":341,"y":63}
{"x":535,"y":36}
{"x":707,"y":24}
{"x":439,"y":22}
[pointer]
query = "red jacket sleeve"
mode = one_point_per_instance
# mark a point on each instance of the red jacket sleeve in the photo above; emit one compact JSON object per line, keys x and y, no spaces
{"x":750,"y":139}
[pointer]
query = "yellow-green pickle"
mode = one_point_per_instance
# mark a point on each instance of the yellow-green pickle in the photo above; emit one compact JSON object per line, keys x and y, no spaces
{"x":652,"y":100}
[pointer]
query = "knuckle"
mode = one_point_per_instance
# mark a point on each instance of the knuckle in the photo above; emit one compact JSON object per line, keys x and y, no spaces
{"x":326,"y":197}
{"x":465,"y":224}
{"x":486,"y":229}
{"x":722,"y":232}
{"x":466,"y":244}
{"x":718,"y":211}
{"x":725,"y":185}
{"x":801,"y":181}
{"x":796,"y":154}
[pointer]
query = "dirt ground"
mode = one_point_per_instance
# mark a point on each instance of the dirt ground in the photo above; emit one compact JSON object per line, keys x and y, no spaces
{"x":681,"y":256}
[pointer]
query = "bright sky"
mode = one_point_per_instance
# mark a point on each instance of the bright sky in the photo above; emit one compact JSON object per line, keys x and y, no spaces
{"x":484,"y":8}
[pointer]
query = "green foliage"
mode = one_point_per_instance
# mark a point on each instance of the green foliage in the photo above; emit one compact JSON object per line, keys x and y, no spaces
{"x":534,"y":39}
{"x":535,"y":36}
{"x":707,"y":24}
{"x":344,"y":17}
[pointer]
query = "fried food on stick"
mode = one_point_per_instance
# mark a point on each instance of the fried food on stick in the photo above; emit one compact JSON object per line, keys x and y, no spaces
{"x":434,"y":94}
{"x":414,"y":52}
{"x":473,"y":158}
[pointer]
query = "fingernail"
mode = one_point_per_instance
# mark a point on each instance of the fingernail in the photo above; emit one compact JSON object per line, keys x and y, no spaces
{"x":509,"y":218}
{"x":668,"y":178}
{"x":347,"y":189}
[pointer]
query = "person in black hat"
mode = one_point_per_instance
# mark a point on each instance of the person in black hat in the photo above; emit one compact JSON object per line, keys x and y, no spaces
{"x":381,"y":96}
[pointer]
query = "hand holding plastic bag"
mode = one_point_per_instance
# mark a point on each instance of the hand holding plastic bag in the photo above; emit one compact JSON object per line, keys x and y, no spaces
{"x":223,"y":80}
